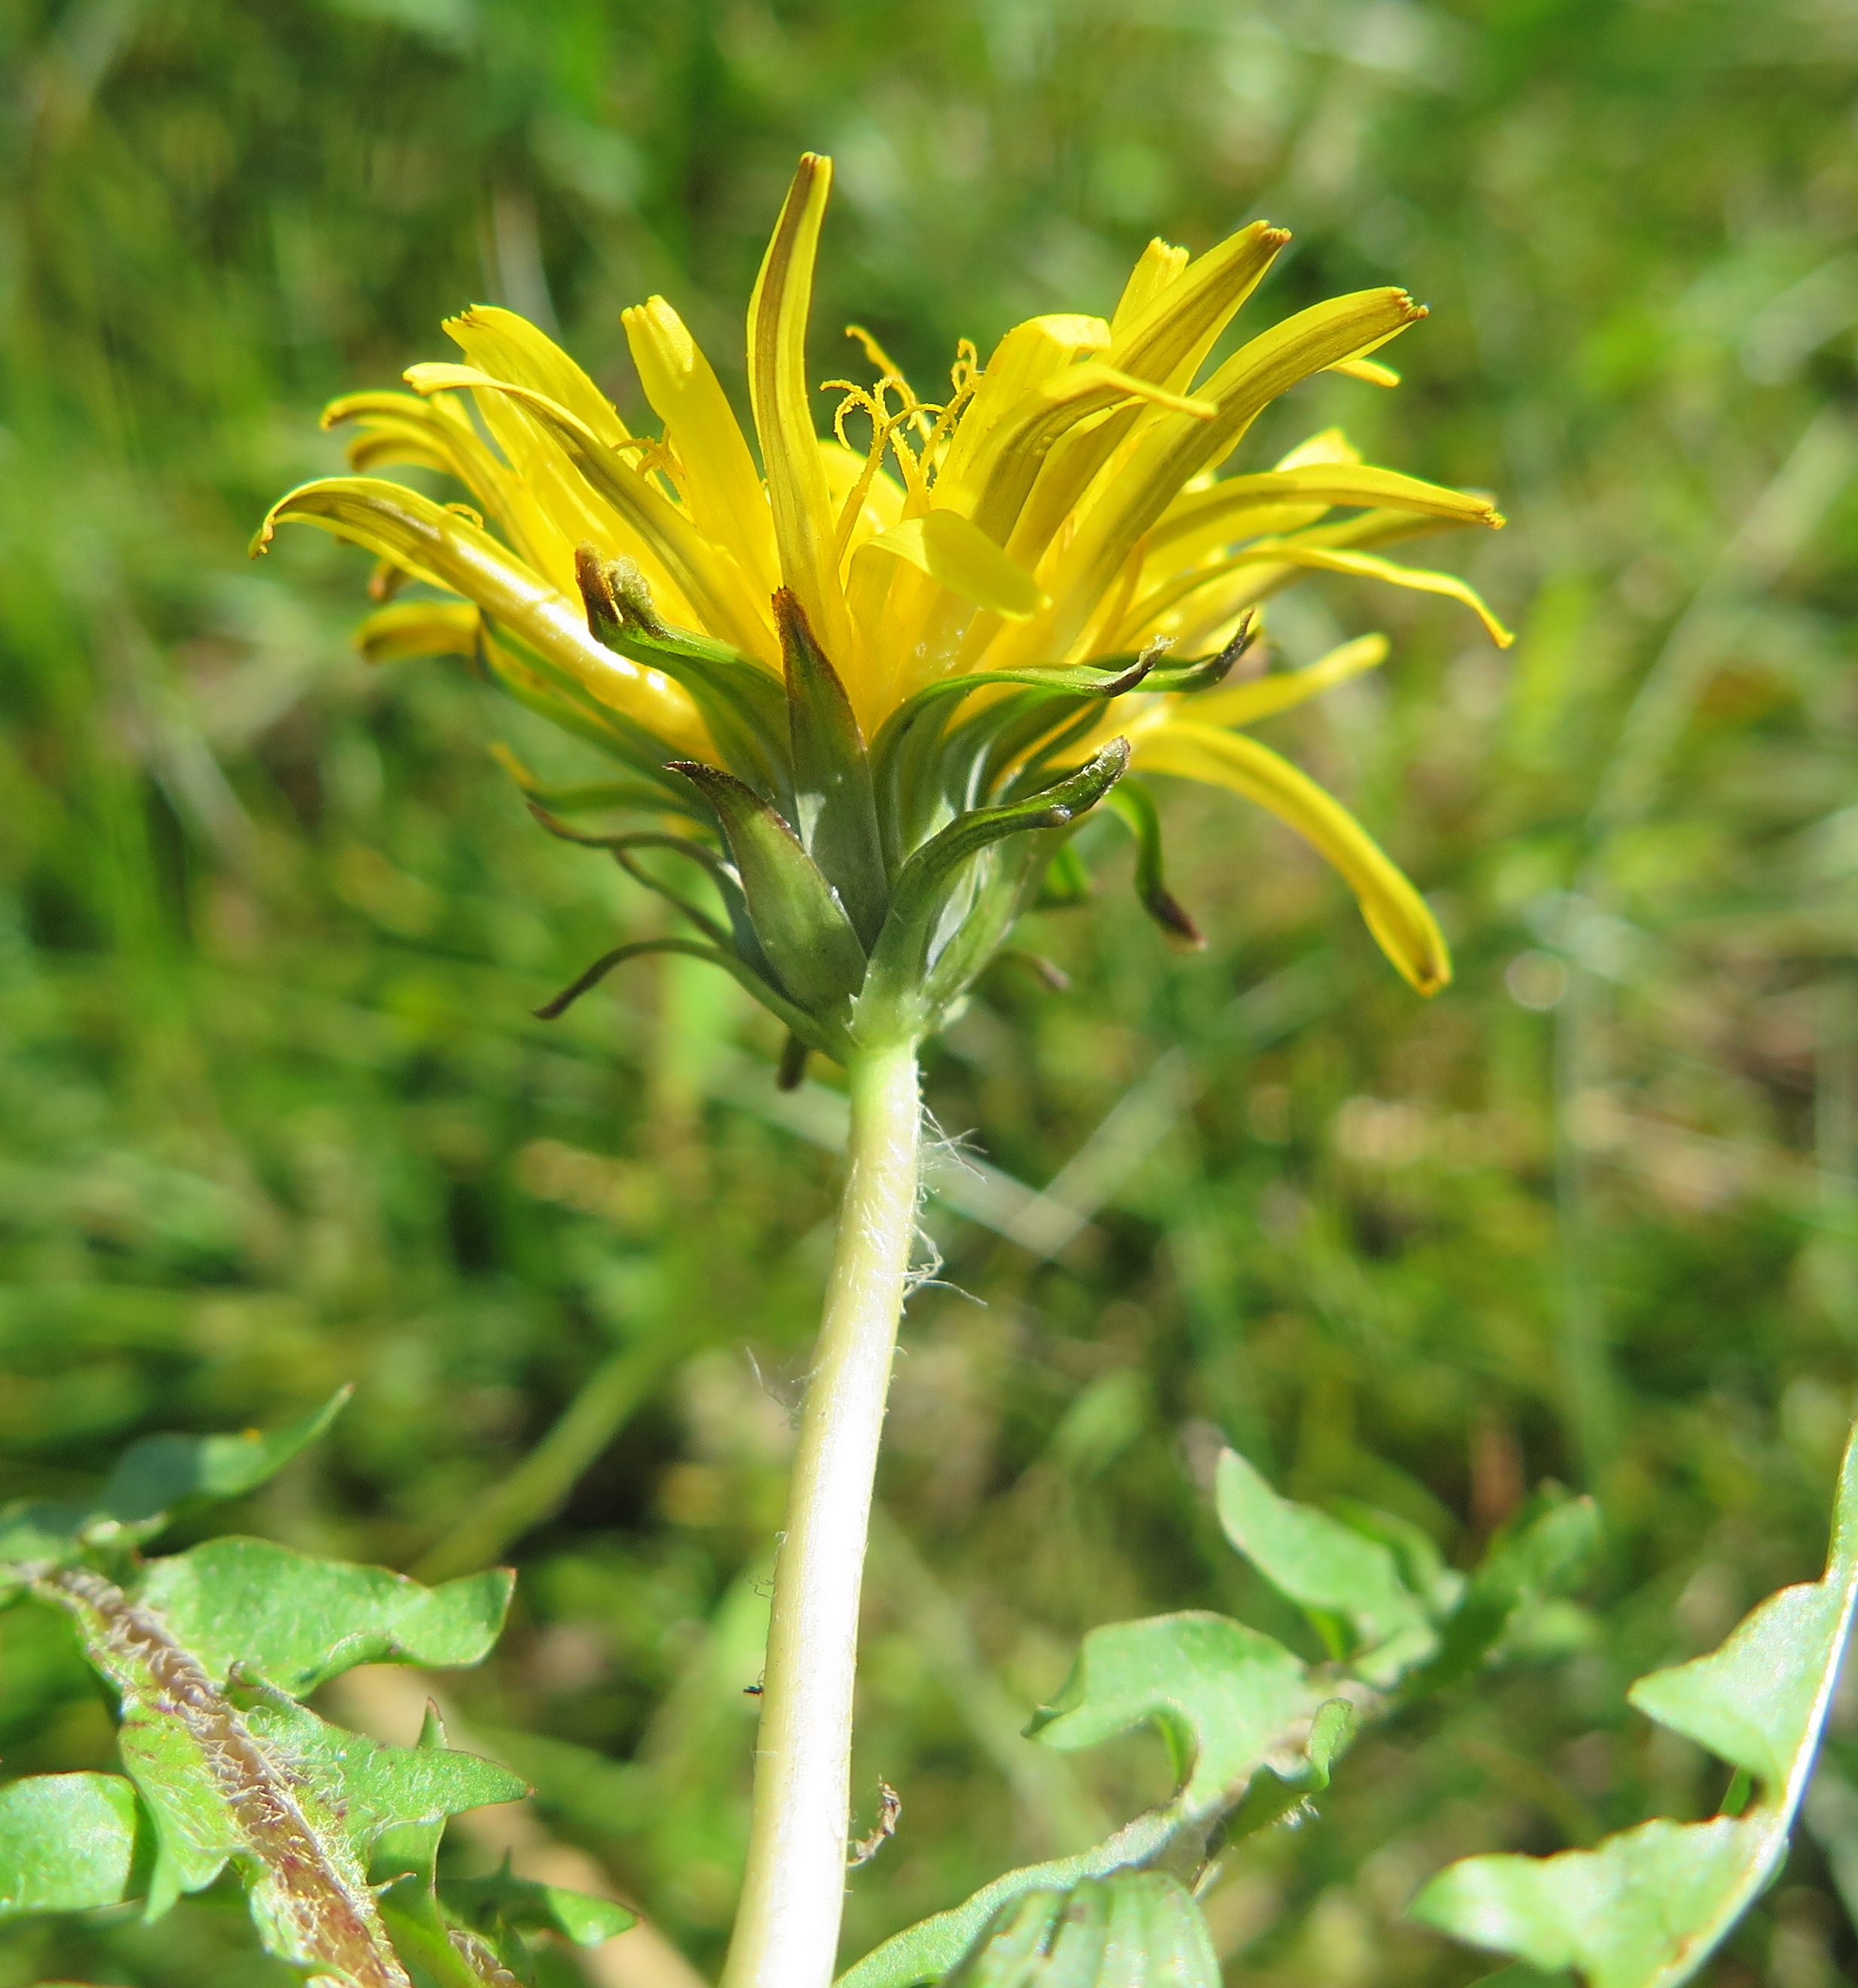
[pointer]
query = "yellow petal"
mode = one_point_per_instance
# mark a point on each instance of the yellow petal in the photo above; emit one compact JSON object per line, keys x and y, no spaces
{"x":508,"y":347}
{"x":1370,"y":370}
{"x":722,"y":488}
{"x":805,"y":525}
{"x":1179,"y":543}
{"x":1208,"y":605}
{"x":1167,"y":339}
{"x":1267,"y":554}
{"x":1030,"y":352}
{"x":1010,"y":460}
{"x":1329,"y":445}
{"x":1366,"y":565}
{"x":1025,"y":359}
{"x":705,"y":574}
{"x":1245,"y":703}
{"x":445,"y":550}
{"x":1371,"y":528}
{"x":540,"y":473}
{"x":410,"y":628}
{"x":1363,"y":485}
{"x":1155,"y":268}
{"x":1323,"y":483}
{"x":1396,"y":913}
{"x":1276,"y":359}
{"x":401,"y":421}
{"x":1178,"y":449}
{"x":949,"y":549}
{"x":402,"y":428}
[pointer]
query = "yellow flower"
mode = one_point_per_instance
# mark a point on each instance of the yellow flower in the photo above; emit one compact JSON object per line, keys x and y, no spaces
{"x":996,"y":586}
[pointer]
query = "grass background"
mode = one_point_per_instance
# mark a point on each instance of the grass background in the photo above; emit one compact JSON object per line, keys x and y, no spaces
{"x":274,"y":1115}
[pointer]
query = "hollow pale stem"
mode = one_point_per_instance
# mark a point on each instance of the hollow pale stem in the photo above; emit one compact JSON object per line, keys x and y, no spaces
{"x":786,"y":1933}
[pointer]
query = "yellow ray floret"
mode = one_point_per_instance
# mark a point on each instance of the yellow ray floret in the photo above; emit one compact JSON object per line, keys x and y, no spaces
{"x":1396,"y":913}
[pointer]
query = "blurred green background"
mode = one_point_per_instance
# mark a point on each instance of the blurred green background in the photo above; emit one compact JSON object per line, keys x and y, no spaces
{"x":274,"y":1115}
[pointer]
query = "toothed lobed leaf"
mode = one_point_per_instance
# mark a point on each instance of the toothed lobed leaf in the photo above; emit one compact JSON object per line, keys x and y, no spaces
{"x":1226,"y":1700}
{"x":246,"y":1776}
{"x":298,"y":1622}
{"x":1334,"y":1573}
{"x":1253,"y":1732}
{"x":1221,"y":1695}
{"x":1281,"y":1786}
{"x":164,"y":1474}
{"x":503,"y":1901}
{"x":1542,"y":1554}
{"x":1647,"y":1907}
{"x":154,"y":1477}
{"x":215,"y":1793}
{"x":1133,"y":1929}
{"x":373,"y":1788}
{"x":36,"y":1535}
{"x":68,"y":1842}
{"x":410,"y":1850}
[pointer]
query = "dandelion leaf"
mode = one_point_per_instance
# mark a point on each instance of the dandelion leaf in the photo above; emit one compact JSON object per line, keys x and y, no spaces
{"x":68,"y":1842}
{"x":153,"y":1480}
{"x":1221,"y":1695}
{"x":164,"y":1474}
{"x":1132,"y":1929}
{"x":503,"y":1902}
{"x":1648,"y":1906}
{"x":1224,"y":1698}
{"x":1348,"y":1585}
{"x":298,"y":1622}
{"x":1543,"y":1553}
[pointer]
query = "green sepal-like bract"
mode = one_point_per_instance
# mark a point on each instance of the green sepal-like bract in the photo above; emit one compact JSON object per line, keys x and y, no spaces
{"x":541,"y":685}
{"x":1134,"y":806}
{"x":835,"y":807}
{"x":799,"y":919}
{"x":908,"y":949}
{"x":740,"y":702}
{"x":625,"y":850}
{"x":812,"y":1033}
{"x":866,"y":889}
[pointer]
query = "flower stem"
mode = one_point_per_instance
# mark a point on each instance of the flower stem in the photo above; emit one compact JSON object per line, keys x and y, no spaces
{"x":786,"y":1931}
